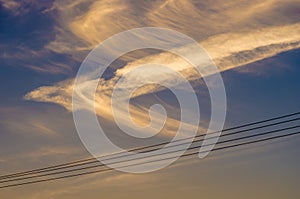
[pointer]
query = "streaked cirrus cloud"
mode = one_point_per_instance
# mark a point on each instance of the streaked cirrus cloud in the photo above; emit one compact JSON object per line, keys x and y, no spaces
{"x":233,"y":34}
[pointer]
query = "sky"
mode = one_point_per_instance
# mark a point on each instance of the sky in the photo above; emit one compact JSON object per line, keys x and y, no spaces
{"x":255,"y":45}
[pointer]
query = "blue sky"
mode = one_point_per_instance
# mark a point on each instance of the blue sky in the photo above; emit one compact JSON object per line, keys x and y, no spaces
{"x":254,"y":44}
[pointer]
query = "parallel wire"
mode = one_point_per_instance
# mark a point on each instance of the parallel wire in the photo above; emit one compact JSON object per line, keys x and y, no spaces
{"x":152,"y":161}
{"x":149,"y":156}
{"x":92,"y":160}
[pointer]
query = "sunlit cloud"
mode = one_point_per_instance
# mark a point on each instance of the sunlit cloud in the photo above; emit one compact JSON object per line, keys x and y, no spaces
{"x":234,"y":34}
{"x":228,"y":51}
{"x":225,"y":34}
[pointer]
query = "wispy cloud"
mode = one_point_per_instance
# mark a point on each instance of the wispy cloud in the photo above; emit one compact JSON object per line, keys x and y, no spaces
{"x":228,"y":51}
{"x":229,"y":32}
{"x":78,"y":26}
{"x":10,"y":5}
{"x":92,"y":21}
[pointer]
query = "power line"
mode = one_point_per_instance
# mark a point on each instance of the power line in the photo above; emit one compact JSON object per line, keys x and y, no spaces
{"x":185,"y":155}
{"x":92,"y":160}
{"x":149,"y":156}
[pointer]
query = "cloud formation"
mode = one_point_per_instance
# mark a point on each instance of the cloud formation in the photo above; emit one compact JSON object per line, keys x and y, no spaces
{"x":233,"y":34}
{"x":228,"y":51}
{"x":75,"y":27}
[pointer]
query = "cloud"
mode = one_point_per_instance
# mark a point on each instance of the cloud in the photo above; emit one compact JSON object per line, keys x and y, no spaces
{"x":41,"y":61}
{"x":228,"y":51}
{"x":10,"y":5}
{"x":78,"y":26}
{"x":240,"y":48}
{"x":83,"y":24}
{"x":233,"y":34}
{"x":93,"y":22}
{"x":249,"y":27}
